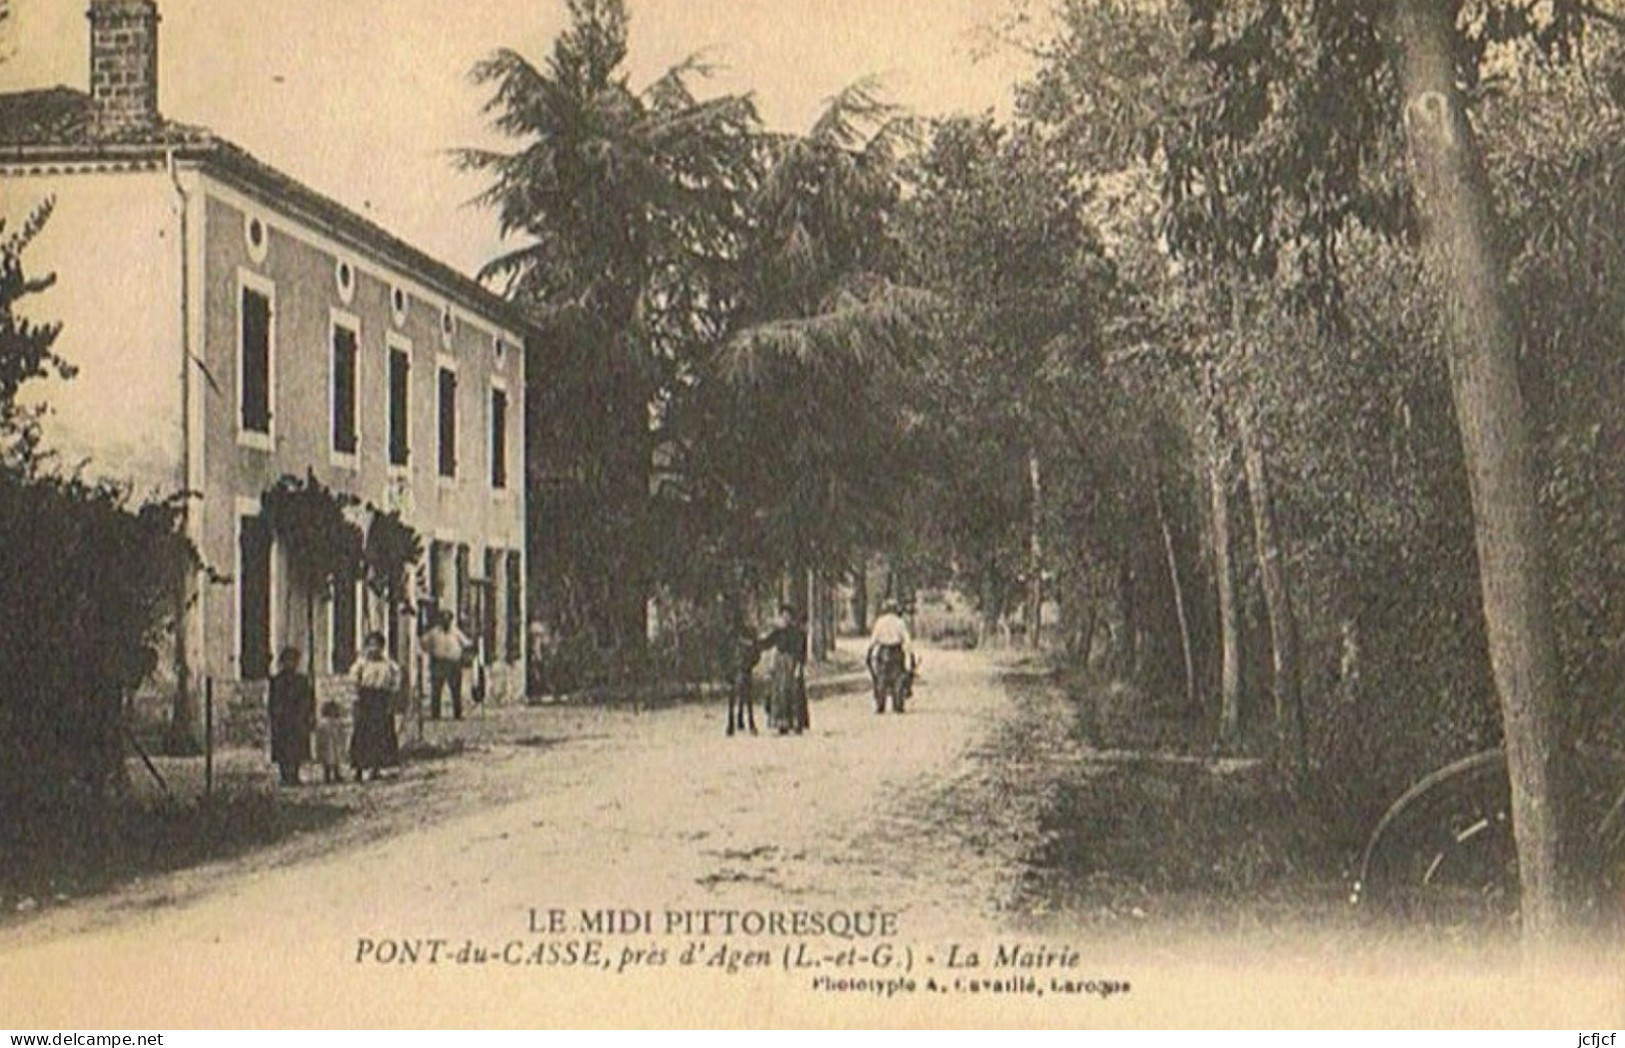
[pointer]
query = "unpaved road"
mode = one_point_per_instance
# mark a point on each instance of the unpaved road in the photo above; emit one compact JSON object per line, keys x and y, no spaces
{"x":928,"y":816}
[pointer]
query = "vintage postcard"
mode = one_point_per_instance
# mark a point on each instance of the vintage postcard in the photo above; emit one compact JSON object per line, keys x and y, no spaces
{"x":816,"y":513}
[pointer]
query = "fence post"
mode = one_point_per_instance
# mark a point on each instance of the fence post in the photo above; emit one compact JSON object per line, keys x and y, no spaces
{"x":208,"y":738}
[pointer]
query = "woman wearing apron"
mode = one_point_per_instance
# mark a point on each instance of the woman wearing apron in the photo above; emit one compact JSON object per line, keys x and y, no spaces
{"x":787,"y":697}
{"x":373,"y":745}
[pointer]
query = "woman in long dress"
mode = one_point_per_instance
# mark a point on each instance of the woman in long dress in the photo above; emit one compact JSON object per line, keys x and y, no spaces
{"x":293,"y":715}
{"x":786,"y":701}
{"x":373,"y":744}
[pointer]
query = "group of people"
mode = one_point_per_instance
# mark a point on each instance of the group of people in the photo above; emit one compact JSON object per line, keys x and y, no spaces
{"x":786,"y":642}
{"x":786,"y":645}
{"x":370,"y":743}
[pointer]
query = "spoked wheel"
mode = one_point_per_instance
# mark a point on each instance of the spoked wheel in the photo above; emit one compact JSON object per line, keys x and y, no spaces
{"x":1444,"y":852}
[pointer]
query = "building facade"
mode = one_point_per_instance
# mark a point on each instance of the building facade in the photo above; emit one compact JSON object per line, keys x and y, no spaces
{"x":230,"y":327}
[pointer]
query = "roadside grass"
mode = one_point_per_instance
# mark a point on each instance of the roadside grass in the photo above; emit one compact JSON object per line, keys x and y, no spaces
{"x":99,"y":847}
{"x":1143,"y":839}
{"x":149,"y":828}
{"x":1148,"y":825}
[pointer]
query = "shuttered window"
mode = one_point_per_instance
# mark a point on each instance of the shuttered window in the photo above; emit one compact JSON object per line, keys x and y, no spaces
{"x":499,"y":439}
{"x":516,"y":606}
{"x":345,"y":390}
{"x":256,"y":361}
{"x":346,"y":624}
{"x":448,"y":422}
{"x":400,"y":372}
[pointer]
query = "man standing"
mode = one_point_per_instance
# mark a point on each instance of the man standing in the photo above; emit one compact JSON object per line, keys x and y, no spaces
{"x":447,"y":646}
{"x":890,"y":654}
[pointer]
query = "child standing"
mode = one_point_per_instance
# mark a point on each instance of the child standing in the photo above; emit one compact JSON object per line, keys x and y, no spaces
{"x":330,"y":737}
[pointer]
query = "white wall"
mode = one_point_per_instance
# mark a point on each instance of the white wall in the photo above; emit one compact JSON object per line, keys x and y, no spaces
{"x":113,"y":243}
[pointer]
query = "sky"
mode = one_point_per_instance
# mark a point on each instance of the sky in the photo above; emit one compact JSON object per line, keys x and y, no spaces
{"x":360,"y":99}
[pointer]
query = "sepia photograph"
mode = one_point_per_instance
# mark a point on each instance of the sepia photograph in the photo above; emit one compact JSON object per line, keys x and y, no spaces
{"x":879,"y":514}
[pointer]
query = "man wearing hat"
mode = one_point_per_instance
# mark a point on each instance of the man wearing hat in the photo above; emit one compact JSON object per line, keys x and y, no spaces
{"x":890,"y":654}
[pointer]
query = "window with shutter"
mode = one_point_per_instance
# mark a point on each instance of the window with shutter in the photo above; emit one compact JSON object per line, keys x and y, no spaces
{"x":254,"y":597}
{"x":400,"y":371}
{"x":345,"y":392}
{"x":256,"y":361}
{"x":516,"y":606}
{"x":499,"y":439}
{"x":448,"y":422}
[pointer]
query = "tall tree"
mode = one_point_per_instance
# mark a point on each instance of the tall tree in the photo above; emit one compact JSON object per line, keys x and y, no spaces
{"x":1268,"y":181}
{"x":623,"y":203}
{"x":811,"y":374}
{"x":997,"y":230}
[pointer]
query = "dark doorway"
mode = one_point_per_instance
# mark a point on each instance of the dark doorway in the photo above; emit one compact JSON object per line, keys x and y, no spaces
{"x":254,"y":597}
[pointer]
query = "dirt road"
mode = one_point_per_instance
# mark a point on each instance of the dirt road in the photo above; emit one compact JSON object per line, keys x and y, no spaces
{"x":621,"y":810}
{"x":928,"y":818}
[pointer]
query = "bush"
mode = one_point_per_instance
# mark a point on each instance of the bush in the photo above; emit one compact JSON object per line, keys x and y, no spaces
{"x":88,"y":591}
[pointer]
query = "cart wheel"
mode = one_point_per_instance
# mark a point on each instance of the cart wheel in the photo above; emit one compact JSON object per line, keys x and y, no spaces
{"x":1444,"y":852}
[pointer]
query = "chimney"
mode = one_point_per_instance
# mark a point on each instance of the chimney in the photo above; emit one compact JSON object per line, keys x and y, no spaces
{"x":123,"y":66}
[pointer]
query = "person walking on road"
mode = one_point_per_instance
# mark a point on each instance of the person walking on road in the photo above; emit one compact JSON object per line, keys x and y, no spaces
{"x":787,"y":695}
{"x":890,"y":657}
{"x":293,"y":716}
{"x":373,"y":744}
{"x":448,"y":648}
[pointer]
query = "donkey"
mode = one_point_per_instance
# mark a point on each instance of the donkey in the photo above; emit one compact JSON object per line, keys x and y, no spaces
{"x":741,"y":703}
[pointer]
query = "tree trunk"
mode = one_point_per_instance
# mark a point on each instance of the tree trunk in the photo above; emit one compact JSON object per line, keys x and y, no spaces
{"x":812,"y":591}
{"x":1460,"y":230}
{"x":181,"y":738}
{"x":1035,"y":553}
{"x":1129,"y":606}
{"x":1192,"y":701}
{"x":820,"y":619}
{"x":1287,"y":680}
{"x":310,"y":632}
{"x":991,"y":611}
{"x":860,"y":597}
{"x":1218,"y":465}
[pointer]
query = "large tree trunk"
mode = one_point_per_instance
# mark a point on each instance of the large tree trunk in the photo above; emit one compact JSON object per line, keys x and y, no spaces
{"x":1035,"y":553}
{"x":1460,"y":234}
{"x":1286,"y":676}
{"x":1218,"y":465}
{"x":1192,"y":700}
{"x":860,"y":597}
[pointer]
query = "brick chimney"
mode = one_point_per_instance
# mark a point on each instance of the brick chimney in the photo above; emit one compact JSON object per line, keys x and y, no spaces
{"x":123,"y":66}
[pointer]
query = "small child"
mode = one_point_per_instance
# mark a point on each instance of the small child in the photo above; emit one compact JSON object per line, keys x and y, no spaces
{"x":330,"y":742}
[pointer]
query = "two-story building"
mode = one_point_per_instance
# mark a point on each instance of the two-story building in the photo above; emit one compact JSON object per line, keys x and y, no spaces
{"x":229,"y":327}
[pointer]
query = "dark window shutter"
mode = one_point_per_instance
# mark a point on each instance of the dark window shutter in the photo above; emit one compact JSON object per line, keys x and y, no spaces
{"x":254,"y":598}
{"x":344,"y":391}
{"x":448,"y":422}
{"x":499,"y":439}
{"x":345,"y":626}
{"x":256,"y":362}
{"x":400,"y":370}
{"x":516,"y":597}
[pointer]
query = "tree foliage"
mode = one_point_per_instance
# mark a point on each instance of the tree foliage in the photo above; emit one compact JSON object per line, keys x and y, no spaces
{"x":389,"y":549}
{"x":25,"y":345}
{"x":88,"y":590}
{"x":623,"y":206}
{"x":310,"y":519}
